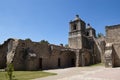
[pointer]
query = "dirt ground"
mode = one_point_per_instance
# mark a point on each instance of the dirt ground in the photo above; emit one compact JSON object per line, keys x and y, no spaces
{"x":84,"y":73}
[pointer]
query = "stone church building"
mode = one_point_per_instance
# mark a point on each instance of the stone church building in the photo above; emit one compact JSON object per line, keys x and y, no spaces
{"x":83,"y":49}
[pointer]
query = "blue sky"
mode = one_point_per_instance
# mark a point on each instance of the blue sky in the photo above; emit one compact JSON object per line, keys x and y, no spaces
{"x":49,"y":19}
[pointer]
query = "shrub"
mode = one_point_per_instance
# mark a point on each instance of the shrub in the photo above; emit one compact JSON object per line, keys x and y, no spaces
{"x":10,"y":69}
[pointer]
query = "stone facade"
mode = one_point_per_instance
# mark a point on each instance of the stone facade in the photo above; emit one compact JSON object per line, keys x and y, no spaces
{"x":101,"y":42}
{"x":38,"y":56}
{"x":112,"y":48}
{"x":84,"y":50}
{"x":3,"y":54}
{"x":84,"y":40}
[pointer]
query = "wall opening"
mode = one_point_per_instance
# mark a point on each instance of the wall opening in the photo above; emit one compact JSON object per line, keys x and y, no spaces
{"x":72,"y":62}
{"x":74,"y":27}
{"x":87,"y":34}
{"x":59,"y":62}
{"x":40,"y":63}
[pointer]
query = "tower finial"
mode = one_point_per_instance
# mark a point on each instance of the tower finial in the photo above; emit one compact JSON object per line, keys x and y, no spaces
{"x":88,"y":24}
{"x":77,"y":17}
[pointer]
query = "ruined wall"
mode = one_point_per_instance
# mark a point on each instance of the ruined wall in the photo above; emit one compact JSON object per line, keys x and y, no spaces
{"x":102,"y":43}
{"x":56,"y":58}
{"x":96,"y":55}
{"x":113,"y":33}
{"x":63,"y":57}
{"x":116,"y":54}
{"x":12,"y":44}
{"x":112,"y":39}
{"x":38,"y":56}
{"x":28,"y":54}
{"x":3,"y":54}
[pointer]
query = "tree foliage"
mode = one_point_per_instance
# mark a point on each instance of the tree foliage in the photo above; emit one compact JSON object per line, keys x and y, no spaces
{"x":99,"y":35}
{"x":66,"y":45}
{"x":28,"y":39}
{"x":44,"y":42}
{"x":10,"y":69}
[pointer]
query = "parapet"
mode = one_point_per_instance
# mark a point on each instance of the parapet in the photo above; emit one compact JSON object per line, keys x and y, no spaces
{"x":113,"y":27}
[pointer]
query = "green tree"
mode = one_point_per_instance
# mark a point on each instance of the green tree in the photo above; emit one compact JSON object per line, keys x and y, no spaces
{"x":44,"y":42}
{"x":66,"y":45}
{"x":28,"y":39}
{"x":99,"y":35}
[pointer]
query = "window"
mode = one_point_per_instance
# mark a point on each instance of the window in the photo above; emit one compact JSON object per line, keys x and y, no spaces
{"x":75,"y":27}
{"x":87,"y":34}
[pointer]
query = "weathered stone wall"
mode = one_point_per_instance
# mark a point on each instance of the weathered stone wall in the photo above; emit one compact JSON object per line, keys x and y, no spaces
{"x":96,"y":54}
{"x":87,"y":57}
{"x":30,"y":55}
{"x":3,"y":54}
{"x":91,"y":45}
{"x":61,"y":59}
{"x":12,"y":44}
{"x":113,"y":33}
{"x":75,"y":41}
{"x":90,"y":31}
{"x":102,"y":43}
{"x":38,"y":56}
{"x":116,"y":54}
{"x":112,"y":39}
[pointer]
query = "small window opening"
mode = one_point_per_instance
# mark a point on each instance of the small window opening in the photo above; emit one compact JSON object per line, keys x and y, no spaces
{"x":87,"y":34}
{"x":74,"y":27}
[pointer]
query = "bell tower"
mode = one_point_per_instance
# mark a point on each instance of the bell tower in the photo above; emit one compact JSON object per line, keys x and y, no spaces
{"x":90,"y":31}
{"x":76,"y":32}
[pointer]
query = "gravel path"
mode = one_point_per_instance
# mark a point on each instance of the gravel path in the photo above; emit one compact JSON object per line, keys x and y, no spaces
{"x":84,"y":73}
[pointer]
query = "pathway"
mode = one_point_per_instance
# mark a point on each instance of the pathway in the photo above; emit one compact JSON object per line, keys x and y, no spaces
{"x":84,"y":73}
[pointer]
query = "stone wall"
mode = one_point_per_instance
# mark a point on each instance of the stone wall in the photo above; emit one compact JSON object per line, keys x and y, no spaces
{"x":36,"y":56}
{"x":30,"y":55}
{"x":101,"y":42}
{"x":75,"y":40}
{"x":3,"y":54}
{"x":113,"y":33}
{"x":92,"y":47}
{"x":112,"y":54}
{"x":116,"y":55}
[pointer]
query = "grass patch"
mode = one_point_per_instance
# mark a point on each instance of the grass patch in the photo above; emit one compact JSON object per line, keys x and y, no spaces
{"x":26,"y":75}
{"x":99,"y":64}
